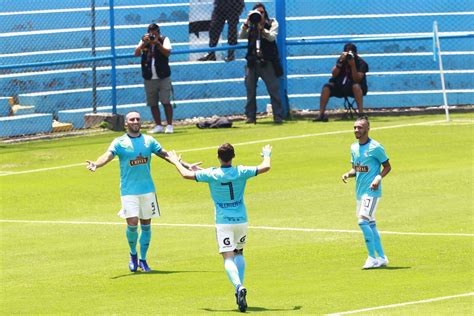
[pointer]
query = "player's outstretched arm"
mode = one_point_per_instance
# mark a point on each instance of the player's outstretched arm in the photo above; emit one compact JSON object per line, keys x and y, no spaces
{"x":266,"y":163}
{"x":173,"y":158}
{"x":190,"y":166}
{"x":351,"y":173}
{"x":100,"y":162}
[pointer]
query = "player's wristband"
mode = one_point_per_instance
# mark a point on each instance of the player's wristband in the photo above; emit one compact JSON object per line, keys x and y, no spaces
{"x":378,"y":178}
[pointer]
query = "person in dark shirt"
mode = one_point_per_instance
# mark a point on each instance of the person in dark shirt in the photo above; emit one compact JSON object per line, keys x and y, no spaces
{"x":348,"y":80}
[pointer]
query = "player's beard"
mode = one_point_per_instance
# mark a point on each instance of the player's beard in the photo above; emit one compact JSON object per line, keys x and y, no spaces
{"x":134,"y":128}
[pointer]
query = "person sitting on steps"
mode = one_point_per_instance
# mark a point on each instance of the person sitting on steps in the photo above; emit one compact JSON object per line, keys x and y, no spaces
{"x":348,"y":80}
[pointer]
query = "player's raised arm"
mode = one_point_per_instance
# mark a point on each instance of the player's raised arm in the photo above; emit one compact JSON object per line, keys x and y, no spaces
{"x":265,"y":165}
{"x":173,"y":158}
{"x":100,"y":162}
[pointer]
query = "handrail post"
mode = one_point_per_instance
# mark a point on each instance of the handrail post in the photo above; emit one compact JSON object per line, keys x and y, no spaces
{"x":114,"y":57}
{"x":280,"y":12}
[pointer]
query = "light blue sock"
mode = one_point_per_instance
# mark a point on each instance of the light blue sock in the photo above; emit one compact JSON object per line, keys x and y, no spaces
{"x":132,"y":236}
{"x":145,"y":237}
{"x":377,"y":242}
{"x":369,"y":237}
{"x":240,"y":263}
{"x":232,"y":271}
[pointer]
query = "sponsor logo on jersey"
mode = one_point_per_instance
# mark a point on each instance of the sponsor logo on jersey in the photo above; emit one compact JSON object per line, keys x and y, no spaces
{"x":359,"y":168}
{"x":140,"y":160}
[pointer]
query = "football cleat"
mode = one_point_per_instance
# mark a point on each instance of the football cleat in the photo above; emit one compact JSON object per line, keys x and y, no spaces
{"x":371,"y":263}
{"x":241,"y":294}
{"x":383,"y":262}
{"x":133,"y":264}
{"x":144,"y":266}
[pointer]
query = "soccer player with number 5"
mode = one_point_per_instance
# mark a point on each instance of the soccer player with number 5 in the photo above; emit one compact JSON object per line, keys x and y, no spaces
{"x":227,"y":186}
{"x":367,"y":158}
{"x":137,"y":190}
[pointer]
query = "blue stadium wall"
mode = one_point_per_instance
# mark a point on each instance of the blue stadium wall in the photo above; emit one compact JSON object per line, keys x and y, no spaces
{"x":402,"y":72}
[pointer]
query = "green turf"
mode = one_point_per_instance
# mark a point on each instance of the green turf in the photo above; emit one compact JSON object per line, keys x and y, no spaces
{"x":64,"y":268}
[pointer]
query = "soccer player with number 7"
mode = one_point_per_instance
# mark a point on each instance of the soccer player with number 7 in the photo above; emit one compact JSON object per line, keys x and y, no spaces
{"x":227,"y":186}
{"x":367,"y":157}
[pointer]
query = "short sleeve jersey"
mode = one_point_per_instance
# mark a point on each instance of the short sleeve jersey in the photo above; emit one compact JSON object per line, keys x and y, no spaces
{"x":227,"y":186}
{"x":367,"y":159}
{"x":134,"y":155}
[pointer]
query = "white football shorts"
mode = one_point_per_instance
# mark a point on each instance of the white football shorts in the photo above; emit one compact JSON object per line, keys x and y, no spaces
{"x":231,"y":236}
{"x":143,"y":206}
{"x":366,"y":207}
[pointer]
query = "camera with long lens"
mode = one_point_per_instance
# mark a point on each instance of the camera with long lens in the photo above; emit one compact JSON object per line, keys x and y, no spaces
{"x":350,"y":55}
{"x":255,"y":17}
{"x":150,"y":36}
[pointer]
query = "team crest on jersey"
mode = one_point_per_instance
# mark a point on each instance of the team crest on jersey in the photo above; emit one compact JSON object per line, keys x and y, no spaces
{"x":140,"y":160}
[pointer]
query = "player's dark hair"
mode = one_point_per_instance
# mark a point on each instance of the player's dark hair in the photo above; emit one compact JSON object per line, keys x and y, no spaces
{"x":363,"y":118}
{"x":226,"y":152}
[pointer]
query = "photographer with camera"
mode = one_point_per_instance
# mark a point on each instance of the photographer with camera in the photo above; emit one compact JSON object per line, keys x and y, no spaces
{"x":155,"y":50}
{"x":348,"y":80}
{"x":263,"y":61}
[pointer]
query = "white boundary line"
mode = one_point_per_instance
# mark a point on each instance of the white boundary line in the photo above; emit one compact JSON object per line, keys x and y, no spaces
{"x":404,"y":304}
{"x":295,"y":229}
{"x":11,"y":173}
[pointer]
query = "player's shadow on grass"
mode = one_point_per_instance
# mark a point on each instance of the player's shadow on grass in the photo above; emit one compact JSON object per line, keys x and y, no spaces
{"x":393,"y":268}
{"x":132,"y":274}
{"x":255,"y":309}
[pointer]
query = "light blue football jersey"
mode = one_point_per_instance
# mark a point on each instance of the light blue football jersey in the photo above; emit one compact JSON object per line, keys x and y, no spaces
{"x":367,"y":159}
{"x":134,"y":155}
{"x":227,"y":186}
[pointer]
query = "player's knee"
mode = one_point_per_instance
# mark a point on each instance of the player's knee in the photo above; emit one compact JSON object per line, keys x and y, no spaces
{"x":363,"y":221}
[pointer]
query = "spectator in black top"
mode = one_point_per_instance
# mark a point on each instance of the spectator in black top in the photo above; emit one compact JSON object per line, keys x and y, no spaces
{"x":348,"y":80}
{"x":224,"y":10}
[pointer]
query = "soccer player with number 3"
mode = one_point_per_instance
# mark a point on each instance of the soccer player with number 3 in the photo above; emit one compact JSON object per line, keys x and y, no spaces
{"x":227,"y":186}
{"x":367,"y":158}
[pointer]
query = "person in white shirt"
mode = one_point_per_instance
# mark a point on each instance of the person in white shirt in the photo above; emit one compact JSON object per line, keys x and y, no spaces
{"x":155,"y":50}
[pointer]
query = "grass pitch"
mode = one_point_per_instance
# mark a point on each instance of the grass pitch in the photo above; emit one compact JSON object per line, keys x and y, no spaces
{"x":64,"y":249}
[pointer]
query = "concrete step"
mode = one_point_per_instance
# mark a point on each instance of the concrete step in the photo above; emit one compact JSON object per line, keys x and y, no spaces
{"x":61,"y":127}
{"x":18,"y":109}
{"x":25,"y":124}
